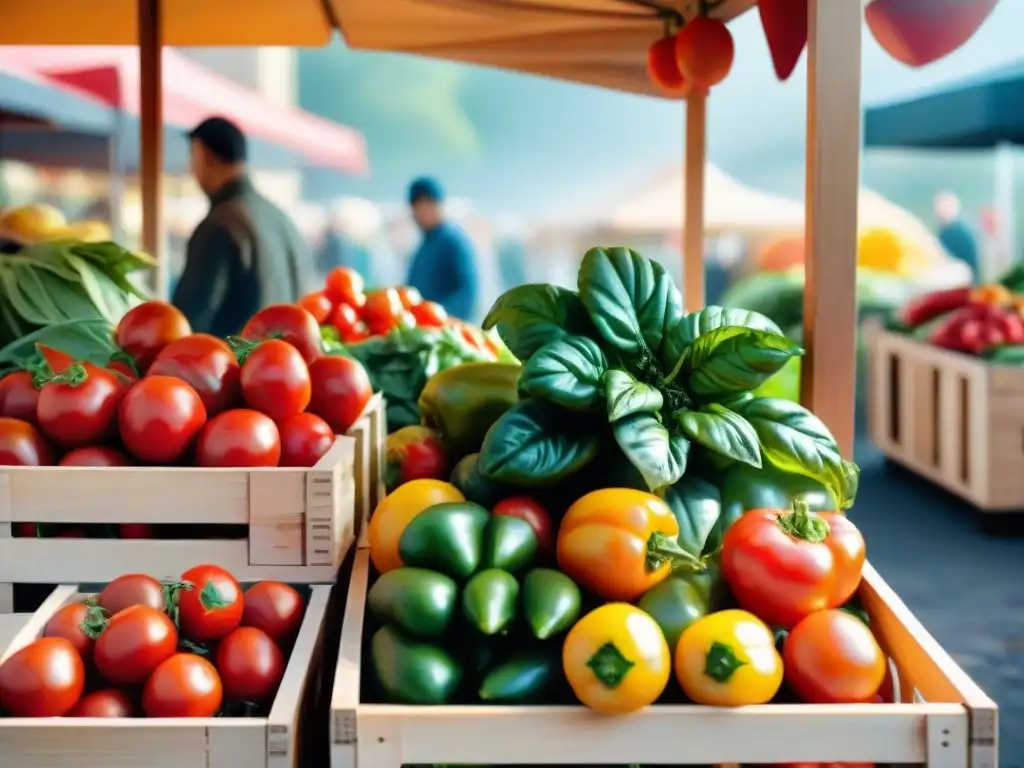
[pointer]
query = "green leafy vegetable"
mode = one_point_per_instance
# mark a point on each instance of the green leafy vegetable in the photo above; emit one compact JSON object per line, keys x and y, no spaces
{"x":717,"y":428}
{"x":656,"y":453}
{"x":530,"y":316}
{"x":731,"y":359}
{"x":696,"y":505}
{"x":627,"y":396}
{"x":566,"y":372}
{"x":689,"y":328}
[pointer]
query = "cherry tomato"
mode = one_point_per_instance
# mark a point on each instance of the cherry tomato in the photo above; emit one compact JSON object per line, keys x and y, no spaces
{"x":44,"y":679}
{"x":345,"y":285}
{"x":132,"y":589}
{"x":430,"y":315}
{"x":533,"y":513}
{"x":134,"y":643}
{"x":107,"y":702}
{"x":410,"y":297}
{"x":77,"y":623}
{"x":135,"y":531}
{"x":159,"y":418}
{"x":305,"y":438}
{"x":275,"y":380}
{"x":147,"y":329}
{"x":21,"y":445}
{"x":94,"y":456}
{"x":831,"y":657}
{"x":288,"y":323}
{"x":185,"y":685}
{"x":318,"y":305}
{"x":345,"y":319}
{"x":274,"y":608}
{"x":663,"y":69}
{"x":704,"y":51}
{"x":212,"y":607}
{"x":382,"y":310}
{"x":79,"y":405}
{"x":250,"y":664}
{"x":208,"y":365}
{"x":341,"y":391}
{"x":239,"y":438}
{"x":18,"y":396}
{"x":360,"y":332}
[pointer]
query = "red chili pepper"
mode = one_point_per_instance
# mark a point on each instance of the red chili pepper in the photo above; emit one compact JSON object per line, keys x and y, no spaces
{"x":931,"y":305}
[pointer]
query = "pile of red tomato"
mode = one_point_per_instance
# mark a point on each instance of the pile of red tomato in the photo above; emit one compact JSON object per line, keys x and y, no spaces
{"x":198,"y":647}
{"x":265,"y":399}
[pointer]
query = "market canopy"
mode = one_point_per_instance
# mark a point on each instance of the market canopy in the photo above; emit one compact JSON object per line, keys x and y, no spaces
{"x":191,"y":93}
{"x":26,"y":97}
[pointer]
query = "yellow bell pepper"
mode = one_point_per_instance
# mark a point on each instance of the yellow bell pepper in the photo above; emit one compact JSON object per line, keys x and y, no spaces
{"x":728,"y":659}
{"x":616,"y":659}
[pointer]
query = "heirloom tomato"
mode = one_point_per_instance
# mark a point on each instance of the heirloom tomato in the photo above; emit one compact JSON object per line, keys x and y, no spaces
{"x":290,"y":323}
{"x":831,"y":657}
{"x":274,"y":608}
{"x":341,"y":391}
{"x":210,"y":605}
{"x":208,"y":365}
{"x":44,"y":679}
{"x":147,"y":329}
{"x":134,"y":643}
{"x":184,"y":685}
{"x":275,"y":380}
{"x":250,"y":665}
{"x":21,"y":445}
{"x":305,"y":438}
{"x":159,"y":418}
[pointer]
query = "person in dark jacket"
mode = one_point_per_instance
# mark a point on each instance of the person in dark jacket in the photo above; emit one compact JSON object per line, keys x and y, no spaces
{"x":444,"y":267}
{"x":247,"y":253}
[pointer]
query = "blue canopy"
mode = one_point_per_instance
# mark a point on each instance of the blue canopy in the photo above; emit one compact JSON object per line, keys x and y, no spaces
{"x":56,"y":106}
{"x":976,"y":113}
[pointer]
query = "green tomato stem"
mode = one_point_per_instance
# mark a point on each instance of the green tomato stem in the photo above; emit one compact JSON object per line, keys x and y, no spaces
{"x":801,"y":523}
{"x":74,"y":375}
{"x":662,"y":549}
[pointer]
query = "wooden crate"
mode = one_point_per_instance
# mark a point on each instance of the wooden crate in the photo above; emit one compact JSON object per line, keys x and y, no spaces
{"x":222,"y":742}
{"x":954,"y":419}
{"x":299,"y":523}
{"x":955,"y":728}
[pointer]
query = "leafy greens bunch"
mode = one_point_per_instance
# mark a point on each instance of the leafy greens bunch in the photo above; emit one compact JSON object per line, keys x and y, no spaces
{"x":618,"y":360}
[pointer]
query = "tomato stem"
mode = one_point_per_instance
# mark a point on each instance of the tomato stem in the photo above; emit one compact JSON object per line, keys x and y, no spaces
{"x":74,"y":375}
{"x":120,"y":356}
{"x":242,"y":348}
{"x":609,"y":665}
{"x":722,"y":662}
{"x":95,"y":621}
{"x":662,"y":549}
{"x":801,"y":523}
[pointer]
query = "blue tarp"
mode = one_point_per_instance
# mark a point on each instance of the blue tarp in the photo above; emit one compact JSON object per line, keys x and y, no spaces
{"x":976,"y":113}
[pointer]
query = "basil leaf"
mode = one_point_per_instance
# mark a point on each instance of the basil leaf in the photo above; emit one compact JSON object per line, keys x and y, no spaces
{"x":529,"y":316}
{"x":731,"y":359}
{"x":631,"y":299}
{"x":533,"y":444}
{"x":696,"y":504}
{"x":686,"y":331}
{"x":566,"y":372}
{"x":658,"y":455}
{"x":722,"y":431}
{"x":626,"y":395}
{"x":795,"y":440}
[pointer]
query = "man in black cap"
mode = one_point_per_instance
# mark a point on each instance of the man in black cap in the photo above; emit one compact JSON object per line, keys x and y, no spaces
{"x":444,"y":267}
{"x":246,"y":254}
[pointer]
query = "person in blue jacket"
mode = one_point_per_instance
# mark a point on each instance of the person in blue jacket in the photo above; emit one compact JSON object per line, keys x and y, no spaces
{"x":444,"y":268}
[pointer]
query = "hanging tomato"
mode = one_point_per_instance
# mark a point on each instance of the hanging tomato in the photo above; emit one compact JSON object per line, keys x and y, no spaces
{"x":704,"y":51}
{"x":663,"y":69}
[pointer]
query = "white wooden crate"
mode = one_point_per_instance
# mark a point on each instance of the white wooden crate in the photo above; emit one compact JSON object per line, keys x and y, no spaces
{"x":956,"y":728}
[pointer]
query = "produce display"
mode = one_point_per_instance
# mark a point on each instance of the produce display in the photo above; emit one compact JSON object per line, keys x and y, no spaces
{"x":197,"y":647}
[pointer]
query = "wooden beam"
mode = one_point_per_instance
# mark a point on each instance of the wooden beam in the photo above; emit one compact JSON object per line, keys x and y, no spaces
{"x":151,"y":161}
{"x":693,"y":196}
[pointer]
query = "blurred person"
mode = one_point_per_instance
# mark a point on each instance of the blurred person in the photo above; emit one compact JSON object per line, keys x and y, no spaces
{"x":341,"y":244}
{"x":954,"y":234}
{"x":444,"y":268}
{"x":247,"y":253}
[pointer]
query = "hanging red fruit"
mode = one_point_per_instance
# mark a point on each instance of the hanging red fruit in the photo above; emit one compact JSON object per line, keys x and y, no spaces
{"x":663,"y":69}
{"x":704,"y":51}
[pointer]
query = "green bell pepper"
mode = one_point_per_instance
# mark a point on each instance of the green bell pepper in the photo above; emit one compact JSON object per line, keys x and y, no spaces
{"x":489,"y":601}
{"x":675,"y":604}
{"x":551,"y":602}
{"x":419,"y":602}
{"x":524,"y":678}
{"x":510,"y":543}
{"x":446,"y":537}
{"x":410,"y":672}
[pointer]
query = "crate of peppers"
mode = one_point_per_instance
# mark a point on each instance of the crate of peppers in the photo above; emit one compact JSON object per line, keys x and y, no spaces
{"x":637,"y":562}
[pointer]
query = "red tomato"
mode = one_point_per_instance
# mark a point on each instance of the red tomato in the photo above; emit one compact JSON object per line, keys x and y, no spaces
{"x":305,"y":438}
{"x":208,"y":365}
{"x":79,"y":405}
{"x":108,"y":702}
{"x":784,"y":566}
{"x":274,"y":608}
{"x":831,"y":657}
{"x":275,"y":380}
{"x":533,"y":513}
{"x":18,"y":396}
{"x":185,"y":685}
{"x":345,"y":285}
{"x":122,"y":369}
{"x":146,"y":329}
{"x":55,"y":360}
{"x":44,"y":679}
{"x":288,"y":323}
{"x":382,"y":310}
{"x":430,"y":315}
{"x":94,"y":456}
{"x":212,"y":607}
{"x":134,"y":531}
{"x":704,"y":51}
{"x":250,"y":664}
{"x":663,"y":69}
{"x":341,"y":391}
{"x":318,"y":305}
{"x":410,"y":297}
{"x":132,"y":589}
{"x":239,"y":438}
{"x":79,"y":624}
{"x":159,"y":418}
{"x":345,"y":319}
{"x":21,"y":445}
{"x":413,"y":453}
{"x":134,"y":643}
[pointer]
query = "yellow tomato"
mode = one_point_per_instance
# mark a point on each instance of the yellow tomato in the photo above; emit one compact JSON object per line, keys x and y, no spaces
{"x":396,"y":511}
{"x":728,"y":659}
{"x":616,"y":659}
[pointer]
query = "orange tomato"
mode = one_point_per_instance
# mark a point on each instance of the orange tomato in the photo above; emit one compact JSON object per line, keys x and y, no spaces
{"x":663,"y":69}
{"x":396,"y":511}
{"x":619,"y":542}
{"x":318,"y":305}
{"x":409,"y":297}
{"x":704,"y":52}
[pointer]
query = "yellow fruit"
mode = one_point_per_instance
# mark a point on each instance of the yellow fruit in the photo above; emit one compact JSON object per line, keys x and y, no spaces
{"x":396,"y":511}
{"x":85,"y":231}
{"x":31,"y":223}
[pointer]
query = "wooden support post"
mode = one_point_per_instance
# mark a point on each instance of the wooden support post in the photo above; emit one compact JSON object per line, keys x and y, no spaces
{"x":693,"y":195}
{"x":151,"y":161}
{"x":829,"y":373}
